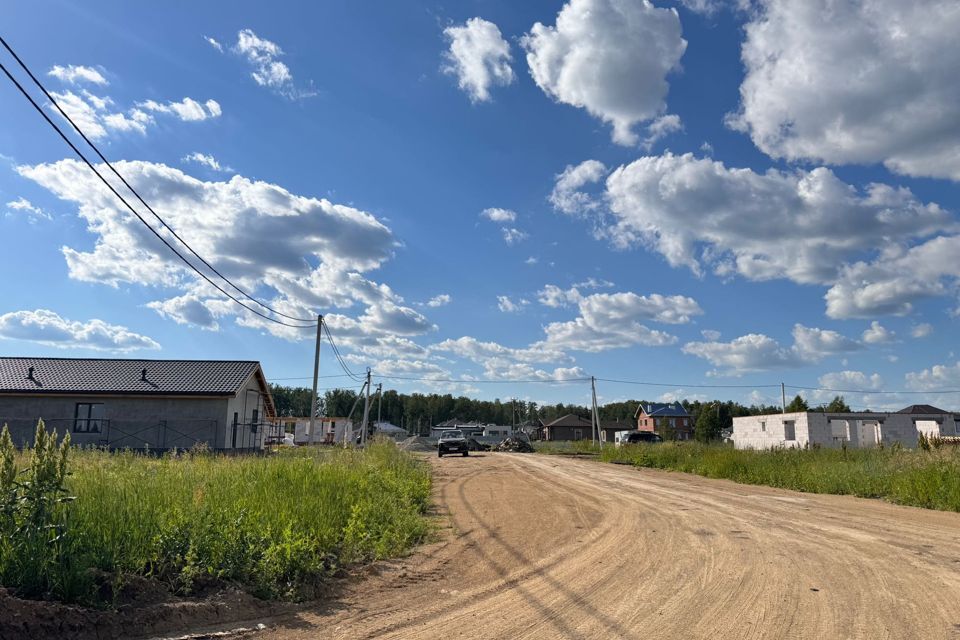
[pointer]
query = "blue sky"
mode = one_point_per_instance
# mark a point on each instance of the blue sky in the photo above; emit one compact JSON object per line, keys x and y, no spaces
{"x":694,"y":193}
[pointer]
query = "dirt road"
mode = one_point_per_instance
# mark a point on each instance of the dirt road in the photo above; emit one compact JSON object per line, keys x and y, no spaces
{"x":551,"y":547}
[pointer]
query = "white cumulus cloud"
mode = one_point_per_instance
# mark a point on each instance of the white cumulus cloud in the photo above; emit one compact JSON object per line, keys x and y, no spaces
{"x":76,"y":74}
{"x":759,"y":352}
{"x":268,"y":70}
{"x":610,"y":57}
{"x":187,"y":110}
{"x":24,"y":207}
{"x":479,"y":57}
{"x":496,"y":214}
{"x":46,"y":327}
{"x":567,"y":195}
{"x":439,"y":300}
{"x":298,"y":253}
{"x":505,"y":304}
{"x":855,"y":82}
{"x":206,"y":160}
{"x":921,"y":330}
{"x":877,"y":334}
{"x":937,"y":377}
{"x":851,"y":380}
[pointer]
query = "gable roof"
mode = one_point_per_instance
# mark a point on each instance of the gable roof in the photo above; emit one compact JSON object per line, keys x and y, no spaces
{"x":130,"y":377}
{"x":661,"y":410}
{"x":922,"y":408}
{"x":569,"y":420}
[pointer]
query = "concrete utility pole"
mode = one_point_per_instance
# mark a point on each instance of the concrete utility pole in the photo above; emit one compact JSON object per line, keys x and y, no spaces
{"x":783,"y":398}
{"x":595,"y":432}
{"x":366,"y":412}
{"x":316,"y":374}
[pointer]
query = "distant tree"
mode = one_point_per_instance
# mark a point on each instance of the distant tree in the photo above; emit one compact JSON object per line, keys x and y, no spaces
{"x":338,"y":402}
{"x":291,"y":401}
{"x":837,"y":405}
{"x":797,"y":404}
{"x":708,"y":425}
{"x":666,"y":430}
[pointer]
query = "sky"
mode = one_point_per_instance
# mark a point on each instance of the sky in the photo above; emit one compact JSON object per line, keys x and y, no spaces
{"x":499,"y":199}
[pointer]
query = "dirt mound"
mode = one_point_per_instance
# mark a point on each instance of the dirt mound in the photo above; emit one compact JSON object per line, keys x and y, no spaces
{"x":417,"y":444}
{"x":39,"y":619}
{"x":515,"y":445}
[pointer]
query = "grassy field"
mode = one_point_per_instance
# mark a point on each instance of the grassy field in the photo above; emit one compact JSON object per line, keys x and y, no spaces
{"x":277,"y":525}
{"x":929,"y":479}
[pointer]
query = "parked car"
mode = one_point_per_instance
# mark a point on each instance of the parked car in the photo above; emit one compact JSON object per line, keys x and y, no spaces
{"x":636,"y":437}
{"x":452,"y":441}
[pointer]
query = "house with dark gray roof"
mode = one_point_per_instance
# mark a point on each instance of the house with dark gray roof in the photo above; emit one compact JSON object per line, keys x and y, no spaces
{"x":663,"y":417}
{"x":138,"y":404}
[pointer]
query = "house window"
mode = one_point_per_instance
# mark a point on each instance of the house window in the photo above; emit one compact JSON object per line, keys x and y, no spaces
{"x":603,"y":436}
{"x":763,"y":425}
{"x":578,"y":434}
{"x":88,"y":417}
{"x":254,"y":416}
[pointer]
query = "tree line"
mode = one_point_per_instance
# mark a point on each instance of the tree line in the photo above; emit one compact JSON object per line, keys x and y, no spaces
{"x":417,"y":412}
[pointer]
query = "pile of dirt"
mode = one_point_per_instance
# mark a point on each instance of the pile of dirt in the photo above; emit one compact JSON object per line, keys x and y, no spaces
{"x":515,"y":445}
{"x":416,"y":443}
{"x":42,"y":619}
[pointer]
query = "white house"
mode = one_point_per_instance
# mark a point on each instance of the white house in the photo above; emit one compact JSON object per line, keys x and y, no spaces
{"x":328,"y":430}
{"x":858,"y":430}
{"x":497,"y":431}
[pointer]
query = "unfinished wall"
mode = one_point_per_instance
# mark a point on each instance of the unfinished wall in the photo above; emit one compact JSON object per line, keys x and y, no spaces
{"x":857,"y":430}
{"x":128,"y":421}
{"x":768,"y":431}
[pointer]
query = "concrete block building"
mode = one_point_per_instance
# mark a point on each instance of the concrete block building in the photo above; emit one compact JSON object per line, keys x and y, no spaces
{"x":138,"y":404}
{"x":857,"y":430}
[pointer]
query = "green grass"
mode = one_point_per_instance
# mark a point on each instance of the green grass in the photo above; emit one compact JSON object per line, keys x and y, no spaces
{"x":278,"y":525}
{"x":929,"y":479}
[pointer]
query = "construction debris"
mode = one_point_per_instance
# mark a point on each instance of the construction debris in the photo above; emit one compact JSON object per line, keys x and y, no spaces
{"x":515,"y":445}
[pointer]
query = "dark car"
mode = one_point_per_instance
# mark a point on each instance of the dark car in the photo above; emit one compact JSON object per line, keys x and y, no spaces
{"x":640,"y":436}
{"x":452,"y":442}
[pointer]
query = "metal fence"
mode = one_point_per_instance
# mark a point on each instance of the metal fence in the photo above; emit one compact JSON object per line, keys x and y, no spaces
{"x":156,"y":435}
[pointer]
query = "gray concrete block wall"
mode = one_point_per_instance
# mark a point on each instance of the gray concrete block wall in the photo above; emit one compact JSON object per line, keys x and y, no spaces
{"x":132,"y":420}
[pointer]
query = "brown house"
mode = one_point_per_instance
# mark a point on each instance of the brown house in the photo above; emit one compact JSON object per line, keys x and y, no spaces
{"x":569,"y":427}
{"x":653,"y":415}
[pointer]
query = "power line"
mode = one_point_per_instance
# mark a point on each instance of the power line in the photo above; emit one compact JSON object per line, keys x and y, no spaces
{"x":56,"y":128}
{"x":504,"y":381}
{"x":878,"y":391}
{"x":337,"y":375}
{"x":336,"y":352}
{"x":692,"y":386}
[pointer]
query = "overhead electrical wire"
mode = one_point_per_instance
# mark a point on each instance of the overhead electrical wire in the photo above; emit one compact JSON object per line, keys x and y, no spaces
{"x":504,"y":381}
{"x":692,"y":386}
{"x":872,"y":391}
{"x":70,"y":143}
{"x":336,"y":352}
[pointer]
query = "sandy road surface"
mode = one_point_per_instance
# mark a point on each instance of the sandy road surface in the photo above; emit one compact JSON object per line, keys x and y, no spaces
{"x":552,"y":547}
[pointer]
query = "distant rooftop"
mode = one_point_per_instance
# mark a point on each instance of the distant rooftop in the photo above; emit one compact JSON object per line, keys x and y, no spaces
{"x":921,"y":408}
{"x":661,"y":410}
